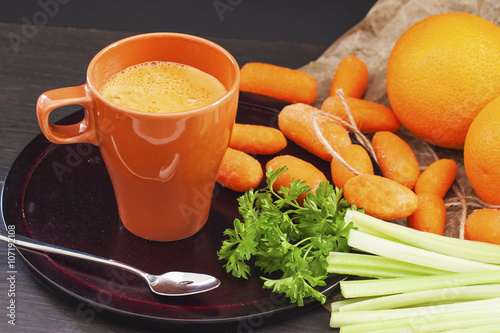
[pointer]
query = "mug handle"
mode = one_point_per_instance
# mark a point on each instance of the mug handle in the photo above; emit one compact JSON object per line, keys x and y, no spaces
{"x":85,"y":131}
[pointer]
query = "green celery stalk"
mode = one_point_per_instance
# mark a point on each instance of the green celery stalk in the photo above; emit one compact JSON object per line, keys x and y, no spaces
{"x":429,"y":323}
{"x":374,"y":266}
{"x":466,"y":249}
{"x":335,"y":306}
{"x":433,"y":296}
{"x":487,"y":328}
{"x":367,"y":288}
{"x":342,"y":318}
{"x":391,"y":249}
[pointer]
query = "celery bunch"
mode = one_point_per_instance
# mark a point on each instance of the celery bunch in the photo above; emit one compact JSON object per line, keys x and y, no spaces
{"x":419,"y":282}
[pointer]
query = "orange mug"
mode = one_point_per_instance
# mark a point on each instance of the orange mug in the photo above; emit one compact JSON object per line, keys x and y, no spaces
{"x":163,"y":166}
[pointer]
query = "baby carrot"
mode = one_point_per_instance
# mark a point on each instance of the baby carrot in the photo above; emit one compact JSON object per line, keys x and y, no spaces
{"x":279,"y":82}
{"x":297,"y":169}
{"x":396,"y":159}
{"x":239,"y":171}
{"x":256,"y":139}
{"x":351,"y":76}
{"x":437,"y":178}
{"x":430,"y":215}
{"x":295,"y":121}
{"x":483,"y":225}
{"x":369,"y":117}
{"x":380,"y":197}
{"x":357,"y":157}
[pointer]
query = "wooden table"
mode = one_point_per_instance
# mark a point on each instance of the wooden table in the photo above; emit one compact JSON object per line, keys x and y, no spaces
{"x":56,"y":57}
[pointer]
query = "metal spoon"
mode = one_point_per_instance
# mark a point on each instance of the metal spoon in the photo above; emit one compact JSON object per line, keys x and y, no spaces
{"x":168,"y":284}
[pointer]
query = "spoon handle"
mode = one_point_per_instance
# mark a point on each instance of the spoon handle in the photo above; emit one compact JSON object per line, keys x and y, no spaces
{"x":34,"y":244}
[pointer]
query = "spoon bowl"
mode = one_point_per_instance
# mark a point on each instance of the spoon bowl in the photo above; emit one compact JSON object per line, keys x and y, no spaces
{"x":172,"y":283}
{"x":181,"y":283}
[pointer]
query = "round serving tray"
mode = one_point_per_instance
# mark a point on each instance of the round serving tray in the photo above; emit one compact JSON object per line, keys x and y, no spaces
{"x":61,"y":194}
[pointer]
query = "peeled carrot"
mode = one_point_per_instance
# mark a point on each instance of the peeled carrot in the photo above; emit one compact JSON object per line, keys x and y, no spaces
{"x":295,"y":121}
{"x":369,"y":117}
{"x":357,"y":157}
{"x":483,"y":225}
{"x":396,"y":159}
{"x":256,"y":139}
{"x":297,"y":169}
{"x":430,"y":215}
{"x":351,"y":76}
{"x":239,"y":171}
{"x":279,"y":82}
{"x":437,"y":178}
{"x":380,"y":197}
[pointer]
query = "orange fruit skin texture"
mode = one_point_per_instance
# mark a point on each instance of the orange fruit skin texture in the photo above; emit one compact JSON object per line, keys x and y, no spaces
{"x":441,"y":73}
{"x":482,"y":153}
{"x":483,"y":225}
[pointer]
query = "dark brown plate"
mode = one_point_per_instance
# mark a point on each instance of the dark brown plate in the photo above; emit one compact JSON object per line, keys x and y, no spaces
{"x":61,"y":194}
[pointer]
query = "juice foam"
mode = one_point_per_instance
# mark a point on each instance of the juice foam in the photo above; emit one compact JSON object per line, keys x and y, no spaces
{"x":162,"y":87}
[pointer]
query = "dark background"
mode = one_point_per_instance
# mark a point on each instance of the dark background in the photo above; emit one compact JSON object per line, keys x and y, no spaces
{"x":314,"y":21}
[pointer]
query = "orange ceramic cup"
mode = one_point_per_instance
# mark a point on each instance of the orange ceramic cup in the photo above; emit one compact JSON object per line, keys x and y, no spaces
{"x":163,"y":166}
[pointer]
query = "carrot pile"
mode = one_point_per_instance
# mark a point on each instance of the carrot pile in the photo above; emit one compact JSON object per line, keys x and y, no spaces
{"x":404,"y":190}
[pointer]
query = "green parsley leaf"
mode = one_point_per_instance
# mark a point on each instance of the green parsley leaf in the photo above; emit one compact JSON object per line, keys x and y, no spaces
{"x":286,"y":237}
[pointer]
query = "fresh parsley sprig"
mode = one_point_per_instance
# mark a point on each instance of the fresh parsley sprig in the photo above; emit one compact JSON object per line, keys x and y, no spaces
{"x":286,"y":236}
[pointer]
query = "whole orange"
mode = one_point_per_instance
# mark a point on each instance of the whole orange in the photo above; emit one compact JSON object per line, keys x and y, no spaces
{"x":441,"y":73}
{"x":482,"y":153}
